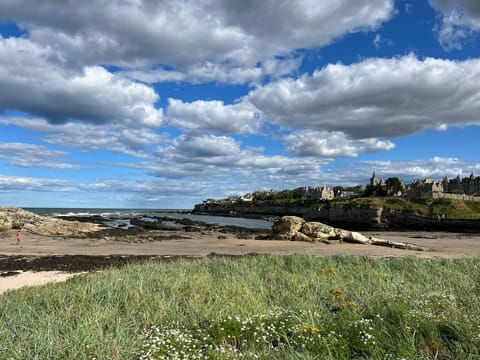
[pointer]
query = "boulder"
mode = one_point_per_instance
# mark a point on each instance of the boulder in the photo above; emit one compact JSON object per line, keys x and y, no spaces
{"x":288,"y":228}
{"x":297,"y":229}
{"x":318,"y":230}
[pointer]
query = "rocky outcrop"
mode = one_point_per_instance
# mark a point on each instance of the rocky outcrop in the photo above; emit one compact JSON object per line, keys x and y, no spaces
{"x":297,"y":229}
{"x":15,"y":218}
{"x":356,"y":216}
{"x":347,"y":214}
{"x":250,"y":210}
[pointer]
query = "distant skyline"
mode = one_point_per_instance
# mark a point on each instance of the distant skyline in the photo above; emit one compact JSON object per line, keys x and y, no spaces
{"x":162,"y":104}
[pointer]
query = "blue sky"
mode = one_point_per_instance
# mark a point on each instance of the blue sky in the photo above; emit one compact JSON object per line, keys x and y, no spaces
{"x":162,"y":104}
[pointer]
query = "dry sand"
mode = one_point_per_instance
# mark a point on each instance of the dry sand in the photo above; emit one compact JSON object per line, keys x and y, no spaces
{"x":438,"y":244}
{"x":30,"y":278}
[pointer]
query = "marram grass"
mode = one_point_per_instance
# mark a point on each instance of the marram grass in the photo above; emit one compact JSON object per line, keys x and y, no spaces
{"x":265,"y":307}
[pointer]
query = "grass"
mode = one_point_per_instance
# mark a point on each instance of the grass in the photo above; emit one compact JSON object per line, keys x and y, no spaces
{"x":268,"y":307}
{"x":452,"y":208}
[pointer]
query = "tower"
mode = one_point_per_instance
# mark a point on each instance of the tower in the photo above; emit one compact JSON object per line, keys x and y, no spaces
{"x":374,"y":180}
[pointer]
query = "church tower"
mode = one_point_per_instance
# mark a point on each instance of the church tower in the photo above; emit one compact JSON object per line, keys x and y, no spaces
{"x":374,"y":180}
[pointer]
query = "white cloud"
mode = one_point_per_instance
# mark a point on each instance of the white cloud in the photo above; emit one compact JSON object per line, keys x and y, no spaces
{"x":33,"y":81}
{"x":436,"y":167}
{"x":31,"y":155}
{"x":376,"y":97}
{"x":208,"y":158}
{"x":227,"y":73}
{"x":460,"y":20}
{"x":206,"y":147}
{"x":377,"y":41}
{"x":13,"y":183}
{"x":88,"y":137}
{"x":358,"y":173}
{"x":332,"y":144}
{"x":198,"y":39}
{"x":199,"y":116}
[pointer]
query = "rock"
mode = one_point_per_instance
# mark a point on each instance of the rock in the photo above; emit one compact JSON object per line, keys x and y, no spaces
{"x":15,"y":218}
{"x":356,"y":238}
{"x":340,"y":233}
{"x":364,"y":215}
{"x":318,"y":230}
{"x":299,"y":236}
{"x":287,"y":227}
{"x":297,"y":229}
{"x":395,"y":244}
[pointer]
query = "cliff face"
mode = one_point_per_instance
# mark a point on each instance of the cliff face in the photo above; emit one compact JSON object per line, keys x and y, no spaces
{"x":356,"y":215}
{"x":363,"y":215}
{"x":259,"y":210}
{"x":347,"y":214}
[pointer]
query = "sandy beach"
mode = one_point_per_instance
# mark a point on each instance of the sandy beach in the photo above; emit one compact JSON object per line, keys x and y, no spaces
{"x":47,"y":256}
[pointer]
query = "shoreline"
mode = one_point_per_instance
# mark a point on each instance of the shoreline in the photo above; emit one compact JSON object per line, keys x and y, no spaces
{"x":180,"y":243}
{"x":44,"y":259}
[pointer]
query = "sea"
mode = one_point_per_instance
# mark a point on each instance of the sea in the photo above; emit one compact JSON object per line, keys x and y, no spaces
{"x":122,"y":217}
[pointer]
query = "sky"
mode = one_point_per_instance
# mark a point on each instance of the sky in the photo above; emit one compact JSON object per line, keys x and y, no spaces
{"x":163,"y":104}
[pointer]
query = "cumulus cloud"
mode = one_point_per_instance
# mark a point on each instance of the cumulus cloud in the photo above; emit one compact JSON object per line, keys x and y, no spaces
{"x":199,"y":116}
{"x":191,"y":35}
{"x":32,"y":155}
{"x":228,"y":73}
{"x":376,"y":98}
{"x":88,"y":137}
{"x":35,"y":83}
{"x":207,"y":158}
{"x":332,"y":144}
{"x":12,"y":183}
{"x":460,"y":20}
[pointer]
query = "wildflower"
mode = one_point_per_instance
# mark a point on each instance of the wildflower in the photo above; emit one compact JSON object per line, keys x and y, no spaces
{"x":337,"y":294}
{"x":308,"y":330}
{"x":348,"y":305}
{"x":329,"y":271}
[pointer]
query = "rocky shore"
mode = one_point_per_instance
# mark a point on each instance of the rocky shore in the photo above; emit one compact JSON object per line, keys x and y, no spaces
{"x":19,"y":219}
{"x":350,"y":215}
{"x":76,"y":244}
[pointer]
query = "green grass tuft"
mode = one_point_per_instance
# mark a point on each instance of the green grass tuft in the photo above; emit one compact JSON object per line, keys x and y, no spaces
{"x":268,"y":307}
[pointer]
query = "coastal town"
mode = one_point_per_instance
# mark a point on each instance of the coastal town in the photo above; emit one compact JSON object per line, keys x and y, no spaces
{"x":460,"y":188}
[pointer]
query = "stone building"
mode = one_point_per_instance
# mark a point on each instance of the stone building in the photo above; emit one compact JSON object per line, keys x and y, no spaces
{"x":467,"y":185}
{"x":426,"y":187}
{"x":317,"y":192}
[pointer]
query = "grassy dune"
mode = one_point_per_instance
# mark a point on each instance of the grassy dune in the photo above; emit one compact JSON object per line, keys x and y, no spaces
{"x":269,"y":307}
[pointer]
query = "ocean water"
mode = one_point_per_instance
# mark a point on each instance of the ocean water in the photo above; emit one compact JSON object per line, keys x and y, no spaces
{"x":121,"y":217}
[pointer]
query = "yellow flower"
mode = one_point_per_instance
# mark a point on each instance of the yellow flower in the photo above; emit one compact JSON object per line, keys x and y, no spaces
{"x":329,"y":271}
{"x":348,"y":305}
{"x":337,"y":294}
{"x":309,"y":330}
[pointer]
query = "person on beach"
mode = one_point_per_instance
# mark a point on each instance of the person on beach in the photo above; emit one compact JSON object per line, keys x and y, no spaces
{"x":19,"y":237}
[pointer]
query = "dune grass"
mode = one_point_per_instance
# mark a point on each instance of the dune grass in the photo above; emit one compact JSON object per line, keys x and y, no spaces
{"x":268,"y":307}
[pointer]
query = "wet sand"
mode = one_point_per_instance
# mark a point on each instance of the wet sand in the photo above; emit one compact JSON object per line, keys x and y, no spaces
{"x":438,"y":244}
{"x":41,"y":253}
